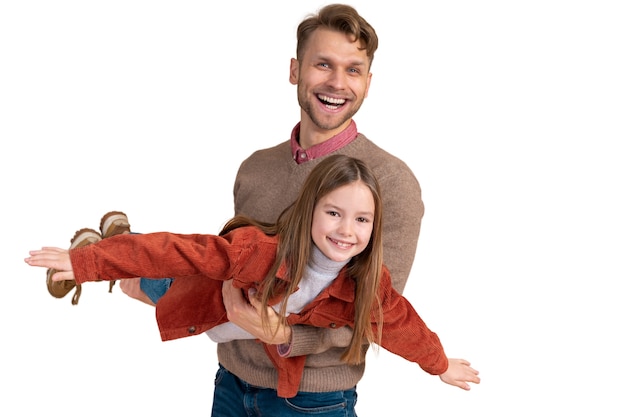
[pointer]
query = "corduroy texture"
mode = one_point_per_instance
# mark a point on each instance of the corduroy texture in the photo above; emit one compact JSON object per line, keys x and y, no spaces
{"x":199,"y":264}
{"x":267,"y":182}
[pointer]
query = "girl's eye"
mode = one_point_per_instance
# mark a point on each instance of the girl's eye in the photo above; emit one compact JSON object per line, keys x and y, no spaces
{"x":333,"y":213}
{"x":362,"y":219}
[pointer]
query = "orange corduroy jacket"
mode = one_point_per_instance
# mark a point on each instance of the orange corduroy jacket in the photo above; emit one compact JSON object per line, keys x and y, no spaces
{"x":200,"y":263}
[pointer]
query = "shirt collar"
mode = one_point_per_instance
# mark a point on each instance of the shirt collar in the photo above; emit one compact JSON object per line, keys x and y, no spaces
{"x":337,"y":142}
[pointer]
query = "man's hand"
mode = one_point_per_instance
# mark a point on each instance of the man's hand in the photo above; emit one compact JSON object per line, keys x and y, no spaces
{"x":248,"y":316}
{"x":132,"y":288}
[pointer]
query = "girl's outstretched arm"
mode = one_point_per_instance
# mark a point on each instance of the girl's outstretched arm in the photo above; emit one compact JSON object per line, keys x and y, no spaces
{"x":459,"y":373}
{"x":54,"y":258}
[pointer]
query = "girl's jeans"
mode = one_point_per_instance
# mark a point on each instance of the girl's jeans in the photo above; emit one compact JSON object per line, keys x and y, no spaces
{"x":236,"y":398}
{"x":155,"y":288}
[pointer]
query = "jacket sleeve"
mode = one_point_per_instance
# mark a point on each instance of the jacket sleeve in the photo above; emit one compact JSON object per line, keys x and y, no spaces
{"x":406,"y":334}
{"x":162,"y":255}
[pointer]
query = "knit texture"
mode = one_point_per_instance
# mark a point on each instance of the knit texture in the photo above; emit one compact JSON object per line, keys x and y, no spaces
{"x":267,"y":182}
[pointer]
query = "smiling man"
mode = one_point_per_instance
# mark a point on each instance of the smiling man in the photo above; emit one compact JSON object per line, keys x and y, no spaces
{"x":332,"y":73}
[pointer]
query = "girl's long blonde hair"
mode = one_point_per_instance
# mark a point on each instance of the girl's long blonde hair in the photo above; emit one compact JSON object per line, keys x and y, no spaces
{"x":295,"y":244}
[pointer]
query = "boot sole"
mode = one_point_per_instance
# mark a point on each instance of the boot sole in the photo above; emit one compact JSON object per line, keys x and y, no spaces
{"x":112,"y":221}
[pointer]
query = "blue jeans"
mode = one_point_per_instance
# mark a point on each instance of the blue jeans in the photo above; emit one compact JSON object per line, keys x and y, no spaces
{"x":155,"y":288}
{"x":236,"y":398}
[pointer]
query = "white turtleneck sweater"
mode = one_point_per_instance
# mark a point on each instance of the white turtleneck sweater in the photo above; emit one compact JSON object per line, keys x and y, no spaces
{"x":318,"y":274}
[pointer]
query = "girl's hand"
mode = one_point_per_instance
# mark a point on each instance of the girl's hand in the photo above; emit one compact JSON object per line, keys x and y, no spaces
{"x":52,"y":258}
{"x":459,"y":373}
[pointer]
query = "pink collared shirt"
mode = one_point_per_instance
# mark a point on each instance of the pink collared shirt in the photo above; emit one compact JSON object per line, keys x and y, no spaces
{"x":338,"y":141}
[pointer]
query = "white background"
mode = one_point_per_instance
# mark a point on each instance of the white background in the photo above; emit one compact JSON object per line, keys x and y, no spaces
{"x":511,"y":114}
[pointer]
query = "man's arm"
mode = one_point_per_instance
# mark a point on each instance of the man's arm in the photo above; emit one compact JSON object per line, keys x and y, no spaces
{"x":308,"y":339}
{"x":247,"y":316}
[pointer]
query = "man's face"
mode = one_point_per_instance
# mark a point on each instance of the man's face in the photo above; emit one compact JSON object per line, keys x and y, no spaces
{"x":333,"y":79}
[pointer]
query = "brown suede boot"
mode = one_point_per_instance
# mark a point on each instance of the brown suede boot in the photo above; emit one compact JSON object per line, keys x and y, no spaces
{"x":114,"y":223}
{"x":59,"y":289}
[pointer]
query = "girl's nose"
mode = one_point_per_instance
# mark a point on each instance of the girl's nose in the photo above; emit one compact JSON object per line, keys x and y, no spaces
{"x":345,"y":228}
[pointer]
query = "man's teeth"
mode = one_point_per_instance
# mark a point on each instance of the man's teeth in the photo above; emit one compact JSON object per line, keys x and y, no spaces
{"x":330,"y":100}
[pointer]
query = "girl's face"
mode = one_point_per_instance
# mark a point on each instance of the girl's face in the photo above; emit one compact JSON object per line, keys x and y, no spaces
{"x":343,"y":221}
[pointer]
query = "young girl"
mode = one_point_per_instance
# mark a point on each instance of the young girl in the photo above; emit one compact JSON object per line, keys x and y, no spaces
{"x":320,"y":264}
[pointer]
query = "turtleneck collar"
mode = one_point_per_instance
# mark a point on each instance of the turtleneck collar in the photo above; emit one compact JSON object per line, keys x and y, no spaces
{"x":324,"y":265}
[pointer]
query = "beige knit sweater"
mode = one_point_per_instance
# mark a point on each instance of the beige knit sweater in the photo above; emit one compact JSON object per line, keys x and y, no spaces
{"x":267,"y":182}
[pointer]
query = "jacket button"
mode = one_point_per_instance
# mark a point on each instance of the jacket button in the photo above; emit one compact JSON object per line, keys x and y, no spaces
{"x":191,"y":330}
{"x":333,"y":325}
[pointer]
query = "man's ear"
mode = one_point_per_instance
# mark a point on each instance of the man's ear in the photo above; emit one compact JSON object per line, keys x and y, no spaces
{"x":294,"y":70}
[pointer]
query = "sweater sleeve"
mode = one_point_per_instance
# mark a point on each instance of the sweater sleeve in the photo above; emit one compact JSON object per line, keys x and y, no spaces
{"x":403,"y":210}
